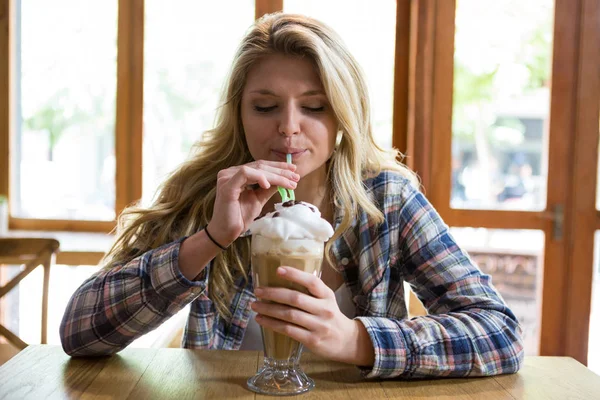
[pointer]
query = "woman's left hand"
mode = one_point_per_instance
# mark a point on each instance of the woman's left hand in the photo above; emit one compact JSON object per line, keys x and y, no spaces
{"x":315,"y":321}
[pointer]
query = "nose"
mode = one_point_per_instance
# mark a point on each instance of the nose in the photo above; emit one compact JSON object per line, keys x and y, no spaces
{"x":289,"y":123}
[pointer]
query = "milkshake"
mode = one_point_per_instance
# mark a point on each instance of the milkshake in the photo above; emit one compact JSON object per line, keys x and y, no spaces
{"x":293,"y":235}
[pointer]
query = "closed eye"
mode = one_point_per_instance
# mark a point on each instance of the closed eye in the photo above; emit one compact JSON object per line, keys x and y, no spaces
{"x":264,"y":109}
{"x":315,"y":109}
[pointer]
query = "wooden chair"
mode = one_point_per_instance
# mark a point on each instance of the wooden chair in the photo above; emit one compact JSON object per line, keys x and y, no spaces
{"x":30,"y":253}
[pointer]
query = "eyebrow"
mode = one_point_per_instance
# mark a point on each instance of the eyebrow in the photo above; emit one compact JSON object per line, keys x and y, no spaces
{"x":307,"y":93}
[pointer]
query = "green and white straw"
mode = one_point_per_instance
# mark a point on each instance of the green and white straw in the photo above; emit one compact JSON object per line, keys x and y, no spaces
{"x":286,"y":194}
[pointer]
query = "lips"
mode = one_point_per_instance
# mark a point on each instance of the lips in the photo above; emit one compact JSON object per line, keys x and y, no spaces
{"x":282,"y":152}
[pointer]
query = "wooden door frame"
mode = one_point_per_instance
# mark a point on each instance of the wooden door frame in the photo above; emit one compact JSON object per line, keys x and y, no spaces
{"x":585,"y":218}
{"x":567,"y":260}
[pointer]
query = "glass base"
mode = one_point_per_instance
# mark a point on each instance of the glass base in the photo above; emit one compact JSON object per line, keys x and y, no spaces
{"x":280,"y":378}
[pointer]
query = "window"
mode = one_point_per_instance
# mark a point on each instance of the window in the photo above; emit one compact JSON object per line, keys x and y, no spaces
{"x":501,"y":104}
{"x":64,"y":164}
{"x":68,"y":86}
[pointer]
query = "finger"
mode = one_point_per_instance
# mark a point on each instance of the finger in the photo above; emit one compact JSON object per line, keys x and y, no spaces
{"x":286,"y":313}
{"x":247,"y":175}
{"x":263,"y":195}
{"x":290,"y":297}
{"x":285,"y":173}
{"x":294,"y":331}
{"x":280,"y":169}
{"x":275,"y":164}
{"x":312,"y":283}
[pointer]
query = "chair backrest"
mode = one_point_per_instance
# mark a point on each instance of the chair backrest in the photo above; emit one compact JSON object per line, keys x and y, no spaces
{"x":31,"y":253}
{"x":20,"y":250}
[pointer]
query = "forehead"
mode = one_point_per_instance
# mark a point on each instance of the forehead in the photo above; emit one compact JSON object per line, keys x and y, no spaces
{"x":281,"y":72}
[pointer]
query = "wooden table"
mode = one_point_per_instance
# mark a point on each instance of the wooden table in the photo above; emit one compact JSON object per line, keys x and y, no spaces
{"x":44,"y":371}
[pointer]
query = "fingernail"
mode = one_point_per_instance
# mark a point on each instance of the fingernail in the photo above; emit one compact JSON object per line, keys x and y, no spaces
{"x":294,"y":184}
{"x":281,"y":271}
{"x":296,"y":177}
{"x":258,"y":292}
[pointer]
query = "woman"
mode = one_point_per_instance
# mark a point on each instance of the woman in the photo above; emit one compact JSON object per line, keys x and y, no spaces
{"x":294,"y":88}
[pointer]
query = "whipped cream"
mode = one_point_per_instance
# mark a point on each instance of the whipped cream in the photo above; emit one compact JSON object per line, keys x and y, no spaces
{"x":293,"y":220}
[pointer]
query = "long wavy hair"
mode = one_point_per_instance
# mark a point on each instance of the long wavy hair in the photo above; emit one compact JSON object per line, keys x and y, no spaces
{"x":184,"y":202}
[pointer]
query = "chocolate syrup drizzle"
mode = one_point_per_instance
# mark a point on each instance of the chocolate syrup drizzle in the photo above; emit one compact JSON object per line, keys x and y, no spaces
{"x":288,"y":203}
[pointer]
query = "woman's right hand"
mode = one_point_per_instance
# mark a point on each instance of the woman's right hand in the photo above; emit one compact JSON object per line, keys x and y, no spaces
{"x":242,"y":192}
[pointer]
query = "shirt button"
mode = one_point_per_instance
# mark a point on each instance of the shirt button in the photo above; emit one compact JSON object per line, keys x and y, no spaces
{"x":344,"y":261}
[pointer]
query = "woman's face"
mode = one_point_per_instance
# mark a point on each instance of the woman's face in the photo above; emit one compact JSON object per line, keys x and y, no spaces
{"x":285,"y":110}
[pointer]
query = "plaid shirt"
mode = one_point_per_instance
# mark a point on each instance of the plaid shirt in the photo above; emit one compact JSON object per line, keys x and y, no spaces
{"x":469,"y":330}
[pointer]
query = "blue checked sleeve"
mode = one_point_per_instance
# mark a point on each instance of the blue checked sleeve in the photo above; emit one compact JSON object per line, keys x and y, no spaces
{"x":469,"y":330}
{"x":119,"y":304}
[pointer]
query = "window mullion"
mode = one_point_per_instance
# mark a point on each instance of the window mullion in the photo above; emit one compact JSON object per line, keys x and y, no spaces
{"x":263,"y":7}
{"x":130,"y":97}
{"x":4,"y":95}
{"x":401,"y":76}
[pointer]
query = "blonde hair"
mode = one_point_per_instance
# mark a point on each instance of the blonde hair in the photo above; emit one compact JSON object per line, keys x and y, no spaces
{"x":184,"y":202}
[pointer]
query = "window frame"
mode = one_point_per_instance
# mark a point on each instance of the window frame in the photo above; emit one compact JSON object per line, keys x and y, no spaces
{"x":128,"y":119}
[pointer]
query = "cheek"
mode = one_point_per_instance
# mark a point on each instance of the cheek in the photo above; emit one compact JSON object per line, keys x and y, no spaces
{"x":254,"y":131}
{"x":325,"y":136}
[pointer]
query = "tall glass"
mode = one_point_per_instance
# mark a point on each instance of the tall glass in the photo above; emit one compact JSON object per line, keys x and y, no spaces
{"x":281,"y":373}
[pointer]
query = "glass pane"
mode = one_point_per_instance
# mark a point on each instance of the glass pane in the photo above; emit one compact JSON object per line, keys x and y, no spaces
{"x":593,"y":342}
{"x":185,"y":68}
{"x":501,"y":104}
{"x":9,"y":311}
{"x":361,"y":25}
{"x":514,"y":260}
{"x":65,"y":164}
